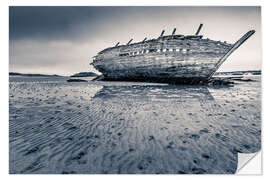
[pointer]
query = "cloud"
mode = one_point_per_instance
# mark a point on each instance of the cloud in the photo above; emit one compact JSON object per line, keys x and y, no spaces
{"x":63,"y":39}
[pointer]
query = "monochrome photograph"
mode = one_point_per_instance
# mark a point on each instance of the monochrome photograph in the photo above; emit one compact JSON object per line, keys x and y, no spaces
{"x":133,"y":89}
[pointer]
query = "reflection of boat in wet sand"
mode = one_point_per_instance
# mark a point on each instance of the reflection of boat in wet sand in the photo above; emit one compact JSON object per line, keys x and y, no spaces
{"x":155,"y":92}
{"x":175,"y":58}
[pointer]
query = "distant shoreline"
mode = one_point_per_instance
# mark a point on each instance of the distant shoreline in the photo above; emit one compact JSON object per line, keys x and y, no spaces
{"x":33,"y":75}
{"x":86,"y":74}
{"x":81,"y":74}
{"x":253,"y":72}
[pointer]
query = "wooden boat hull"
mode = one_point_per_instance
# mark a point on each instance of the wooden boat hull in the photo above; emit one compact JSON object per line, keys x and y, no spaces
{"x":161,"y":66}
{"x":172,"y":60}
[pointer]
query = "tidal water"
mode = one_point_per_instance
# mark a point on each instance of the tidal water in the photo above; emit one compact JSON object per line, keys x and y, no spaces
{"x":126,"y":127}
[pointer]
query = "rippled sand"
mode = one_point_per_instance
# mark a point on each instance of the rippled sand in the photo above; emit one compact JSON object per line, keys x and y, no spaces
{"x":120,"y":127}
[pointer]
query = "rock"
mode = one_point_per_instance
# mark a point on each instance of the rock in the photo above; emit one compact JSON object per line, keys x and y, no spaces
{"x":76,"y":80}
{"x":84,"y":74}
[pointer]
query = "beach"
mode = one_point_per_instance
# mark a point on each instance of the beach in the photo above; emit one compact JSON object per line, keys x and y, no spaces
{"x":100,"y":127}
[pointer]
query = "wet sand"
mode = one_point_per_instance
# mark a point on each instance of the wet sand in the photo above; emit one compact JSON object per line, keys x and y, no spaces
{"x":122,"y":127}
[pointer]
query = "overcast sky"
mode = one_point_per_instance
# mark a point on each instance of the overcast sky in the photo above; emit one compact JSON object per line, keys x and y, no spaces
{"x":63,"y":40}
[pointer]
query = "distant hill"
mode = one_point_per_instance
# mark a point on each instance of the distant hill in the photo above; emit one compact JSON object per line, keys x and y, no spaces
{"x":32,"y":75}
{"x":84,"y":74}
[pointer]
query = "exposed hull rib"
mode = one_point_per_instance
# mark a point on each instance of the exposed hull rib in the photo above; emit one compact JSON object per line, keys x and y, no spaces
{"x":235,"y":46}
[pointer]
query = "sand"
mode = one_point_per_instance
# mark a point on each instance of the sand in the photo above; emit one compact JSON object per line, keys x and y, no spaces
{"x":123,"y":127}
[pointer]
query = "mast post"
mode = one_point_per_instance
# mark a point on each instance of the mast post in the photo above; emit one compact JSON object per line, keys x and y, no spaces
{"x":129,"y":41}
{"x":144,"y":39}
{"x":199,"y":29}
{"x":162,"y":33}
{"x":174,"y":30}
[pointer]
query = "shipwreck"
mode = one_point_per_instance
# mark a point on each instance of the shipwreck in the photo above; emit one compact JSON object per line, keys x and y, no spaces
{"x":175,"y":58}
